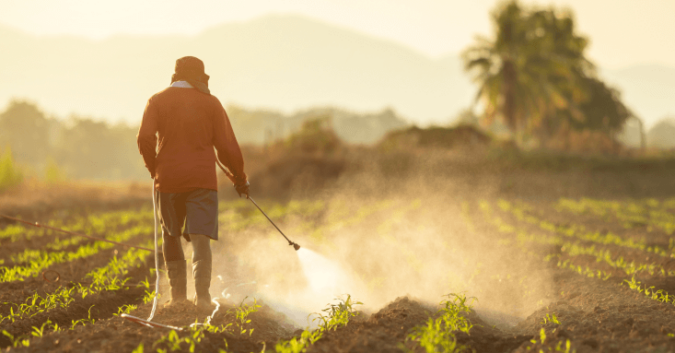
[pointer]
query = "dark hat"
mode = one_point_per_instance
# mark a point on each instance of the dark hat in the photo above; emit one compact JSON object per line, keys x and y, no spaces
{"x":189,"y":65}
{"x":191,"y":69}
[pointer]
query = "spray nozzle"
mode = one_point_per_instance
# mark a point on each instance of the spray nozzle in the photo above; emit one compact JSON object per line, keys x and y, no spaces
{"x":294,"y":245}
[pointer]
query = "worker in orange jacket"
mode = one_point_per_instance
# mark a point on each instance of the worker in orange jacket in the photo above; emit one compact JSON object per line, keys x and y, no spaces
{"x":181,"y":126}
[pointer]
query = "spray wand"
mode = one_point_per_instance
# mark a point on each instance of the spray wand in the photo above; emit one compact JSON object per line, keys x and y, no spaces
{"x":294,"y":245}
{"x":231,"y":177}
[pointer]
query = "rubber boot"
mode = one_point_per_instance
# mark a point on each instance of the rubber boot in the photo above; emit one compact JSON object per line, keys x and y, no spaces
{"x":201,"y":270}
{"x":178,"y":280}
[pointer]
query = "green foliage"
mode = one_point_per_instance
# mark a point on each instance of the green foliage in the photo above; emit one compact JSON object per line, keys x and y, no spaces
{"x":26,"y":129}
{"x":579,"y":234}
{"x":39,"y":260}
{"x":632,"y":214}
{"x":106,"y":278}
{"x":332,"y":317}
{"x":557,"y":348}
{"x":299,"y":345}
{"x":39,"y":332}
{"x":173,"y":341}
{"x":241,"y":314}
{"x":550,"y":318}
{"x":338,"y":315}
{"x":435,"y":136}
{"x":126,"y":309}
{"x":18,"y":341}
{"x":10,"y":173}
{"x":315,"y":136}
{"x":534,"y":74}
{"x":83,"y":322}
{"x":138,"y":349}
{"x":53,"y":173}
{"x":650,"y":292}
{"x":264,"y":126}
{"x":438,"y":335}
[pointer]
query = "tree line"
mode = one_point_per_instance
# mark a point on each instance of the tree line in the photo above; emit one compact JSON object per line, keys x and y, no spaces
{"x":79,"y":147}
{"x":84,"y":148}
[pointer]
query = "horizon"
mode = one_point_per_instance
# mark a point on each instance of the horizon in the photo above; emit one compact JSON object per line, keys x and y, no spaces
{"x":420,"y":119}
{"x":433,"y":27}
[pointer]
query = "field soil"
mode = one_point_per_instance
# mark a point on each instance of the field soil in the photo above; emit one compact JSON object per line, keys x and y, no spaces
{"x":488,"y":220}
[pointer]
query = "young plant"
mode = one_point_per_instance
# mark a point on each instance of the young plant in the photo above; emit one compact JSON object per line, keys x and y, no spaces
{"x":550,"y":318}
{"x":438,"y":334}
{"x":19,"y":341}
{"x":337,"y":315}
{"x":242,"y":313}
{"x":84,"y":322}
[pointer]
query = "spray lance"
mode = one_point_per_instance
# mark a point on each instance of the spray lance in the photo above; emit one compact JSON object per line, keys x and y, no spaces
{"x":231,"y":177}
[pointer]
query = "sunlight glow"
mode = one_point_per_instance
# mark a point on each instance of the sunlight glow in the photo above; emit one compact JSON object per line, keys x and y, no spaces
{"x":323,"y":275}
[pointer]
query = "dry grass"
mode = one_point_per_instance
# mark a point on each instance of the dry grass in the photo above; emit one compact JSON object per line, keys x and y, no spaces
{"x":34,"y":199}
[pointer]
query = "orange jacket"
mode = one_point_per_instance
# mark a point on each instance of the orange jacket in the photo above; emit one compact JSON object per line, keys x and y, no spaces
{"x":188,"y":124}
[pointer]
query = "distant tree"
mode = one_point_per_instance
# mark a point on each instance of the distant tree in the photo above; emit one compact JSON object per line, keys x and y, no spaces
{"x":534,"y":75}
{"x":93,"y":150}
{"x":315,"y":136}
{"x":602,"y":108}
{"x":498,"y":67}
{"x":24,"y":127}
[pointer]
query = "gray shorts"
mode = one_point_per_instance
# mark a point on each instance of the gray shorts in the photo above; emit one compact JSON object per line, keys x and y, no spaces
{"x":192,"y":212}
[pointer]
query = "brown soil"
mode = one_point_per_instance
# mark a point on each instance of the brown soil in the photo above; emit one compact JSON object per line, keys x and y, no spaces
{"x":595,"y":315}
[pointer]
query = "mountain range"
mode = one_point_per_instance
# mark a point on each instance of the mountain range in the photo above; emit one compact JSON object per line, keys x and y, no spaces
{"x":277,"y":62}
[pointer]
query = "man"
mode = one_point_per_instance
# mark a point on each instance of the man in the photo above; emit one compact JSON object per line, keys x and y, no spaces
{"x":189,"y":123}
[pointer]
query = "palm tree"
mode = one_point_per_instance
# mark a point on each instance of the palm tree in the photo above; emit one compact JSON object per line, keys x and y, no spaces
{"x":497,"y":67}
{"x":529,"y":73}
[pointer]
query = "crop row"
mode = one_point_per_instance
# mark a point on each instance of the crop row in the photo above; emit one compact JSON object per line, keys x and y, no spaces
{"x":579,"y":232}
{"x":575,"y":248}
{"x":39,"y":260}
{"x":94,"y":223}
{"x":110,"y":277}
{"x":650,"y":212}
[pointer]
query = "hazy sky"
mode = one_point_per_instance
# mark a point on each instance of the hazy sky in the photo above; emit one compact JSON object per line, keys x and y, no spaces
{"x":623,"y":32}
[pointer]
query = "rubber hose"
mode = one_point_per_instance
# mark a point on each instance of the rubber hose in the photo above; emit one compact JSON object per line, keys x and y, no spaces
{"x":154,"y":212}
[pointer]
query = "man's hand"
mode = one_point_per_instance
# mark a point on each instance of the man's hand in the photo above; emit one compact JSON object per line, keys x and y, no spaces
{"x":242,"y":188}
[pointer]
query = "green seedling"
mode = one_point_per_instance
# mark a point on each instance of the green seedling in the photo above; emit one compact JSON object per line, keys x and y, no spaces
{"x":41,"y":259}
{"x":126,"y":309}
{"x":337,"y":315}
{"x":438,"y":334}
{"x":298,"y":345}
{"x":550,"y":318}
{"x":333,"y":316}
{"x":173,"y":341}
{"x":84,"y":322}
{"x":39,"y":332}
{"x":138,"y":349}
{"x":658,"y":295}
{"x":241,"y":314}
{"x":557,"y":348}
{"x":19,"y":341}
